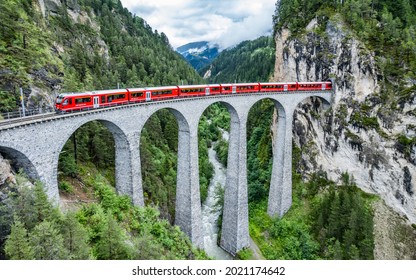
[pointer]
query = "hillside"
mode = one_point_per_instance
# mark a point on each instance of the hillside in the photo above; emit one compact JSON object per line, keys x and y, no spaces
{"x":249,"y":61}
{"x":369,"y":131}
{"x":52,"y":46}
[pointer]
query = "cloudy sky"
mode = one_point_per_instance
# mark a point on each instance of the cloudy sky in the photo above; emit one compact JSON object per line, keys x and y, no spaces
{"x":226,"y":22}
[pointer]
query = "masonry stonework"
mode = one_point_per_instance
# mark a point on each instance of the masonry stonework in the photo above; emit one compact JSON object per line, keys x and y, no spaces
{"x":35,"y":145}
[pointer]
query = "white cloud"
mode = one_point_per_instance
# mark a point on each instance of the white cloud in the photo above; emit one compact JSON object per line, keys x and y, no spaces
{"x":226,"y":22}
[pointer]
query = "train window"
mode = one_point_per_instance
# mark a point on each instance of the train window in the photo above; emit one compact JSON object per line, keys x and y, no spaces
{"x":192,"y":90}
{"x":137,"y":94}
{"x":159,"y":92}
{"x":227,"y":88}
{"x":115,"y":97}
{"x":103,"y":99}
{"x":65,"y":102}
{"x":59,"y":99}
{"x":82,"y":100}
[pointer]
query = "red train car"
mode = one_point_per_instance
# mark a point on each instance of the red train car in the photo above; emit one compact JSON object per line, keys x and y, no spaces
{"x":158,"y":93}
{"x":249,"y":87}
{"x":311,"y":86}
{"x":67,"y":102}
{"x":105,"y":98}
{"x":276,"y":87}
{"x":198,"y":90}
{"x":137,"y":94}
{"x":240,"y":88}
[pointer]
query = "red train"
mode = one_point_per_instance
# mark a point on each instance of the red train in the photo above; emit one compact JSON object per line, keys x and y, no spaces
{"x":68,"y":102}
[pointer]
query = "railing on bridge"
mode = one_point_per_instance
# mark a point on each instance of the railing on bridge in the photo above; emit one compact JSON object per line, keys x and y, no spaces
{"x":9,"y":117}
{"x":26,"y":113}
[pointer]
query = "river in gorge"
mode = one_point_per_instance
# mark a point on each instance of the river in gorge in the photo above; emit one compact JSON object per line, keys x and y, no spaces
{"x":211,"y":212}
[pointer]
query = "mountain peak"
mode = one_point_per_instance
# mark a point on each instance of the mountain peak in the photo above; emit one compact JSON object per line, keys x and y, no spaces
{"x":199,"y":54}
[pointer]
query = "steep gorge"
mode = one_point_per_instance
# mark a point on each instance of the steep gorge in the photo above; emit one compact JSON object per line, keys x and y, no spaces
{"x":361,"y":134}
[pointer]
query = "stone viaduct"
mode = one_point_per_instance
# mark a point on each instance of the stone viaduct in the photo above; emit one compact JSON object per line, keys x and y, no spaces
{"x":35,"y":145}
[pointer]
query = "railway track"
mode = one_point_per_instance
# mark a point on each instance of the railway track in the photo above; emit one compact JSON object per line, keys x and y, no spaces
{"x":22,"y":120}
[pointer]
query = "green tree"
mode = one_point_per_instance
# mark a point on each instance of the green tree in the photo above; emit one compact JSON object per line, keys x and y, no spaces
{"x":75,"y":238}
{"x":23,"y":204}
{"x":47,"y":242}
{"x":44,"y":210}
{"x":112,"y":244}
{"x":17,"y":246}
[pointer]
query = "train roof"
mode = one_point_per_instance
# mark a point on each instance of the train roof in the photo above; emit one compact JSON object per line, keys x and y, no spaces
{"x":161,"y":88}
{"x":109,"y":91}
{"x":136,"y":89}
{"x":313,"y":83}
{"x":194,"y":86}
{"x":240,"y":84}
{"x":278,"y":83}
{"x":88,"y":93}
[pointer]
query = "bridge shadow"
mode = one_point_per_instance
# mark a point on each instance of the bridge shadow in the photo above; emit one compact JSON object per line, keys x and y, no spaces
{"x":19,"y":161}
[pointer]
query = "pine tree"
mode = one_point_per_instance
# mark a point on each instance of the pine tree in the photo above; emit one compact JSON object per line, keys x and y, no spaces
{"x":47,"y":242}
{"x":113,"y":242}
{"x":44,"y":210}
{"x":17,"y":246}
{"x":75,"y":238}
{"x":23,"y":205}
{"x":353,"y":253}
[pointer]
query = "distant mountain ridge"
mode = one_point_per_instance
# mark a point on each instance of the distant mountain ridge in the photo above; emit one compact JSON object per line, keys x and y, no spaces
{"x":199,"y":54}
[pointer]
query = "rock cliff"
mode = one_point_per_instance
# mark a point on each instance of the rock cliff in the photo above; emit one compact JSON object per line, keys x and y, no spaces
{"x":359,"y":134}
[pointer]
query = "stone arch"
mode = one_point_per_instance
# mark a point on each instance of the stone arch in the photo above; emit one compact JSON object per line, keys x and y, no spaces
{"x":183,"y":127}
{"x":235,"y":235}
{"x":187,"y":204}
{"x":20,"y":160}
{"x":323,"y":97}
{"x":280,"y":192}
{"x":231,"y":109}
{"x":123,"y":157}
{"x":209,"y":222}
{"x":278,"y":115}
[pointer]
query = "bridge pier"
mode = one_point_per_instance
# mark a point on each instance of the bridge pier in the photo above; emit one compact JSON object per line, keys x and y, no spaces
{"x":235,"y":235}
{"x":280,"y":192}
{"x":47,"y":166}
{"x":128,"y":168}
{"x":188,"y":200}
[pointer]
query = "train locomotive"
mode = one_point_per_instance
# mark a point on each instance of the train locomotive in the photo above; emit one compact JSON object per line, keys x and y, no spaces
{"x":69,"y":102}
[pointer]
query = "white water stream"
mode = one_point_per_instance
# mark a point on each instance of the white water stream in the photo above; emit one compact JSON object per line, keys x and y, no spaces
{"x":210,"y":213}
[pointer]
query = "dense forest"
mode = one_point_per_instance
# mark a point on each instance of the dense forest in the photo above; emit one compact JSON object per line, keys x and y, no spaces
{"x":249,"y":61}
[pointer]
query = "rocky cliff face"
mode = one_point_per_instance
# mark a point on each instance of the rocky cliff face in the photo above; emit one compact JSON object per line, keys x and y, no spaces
{"x":47,"y":80}
{"x":358,"y":135}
